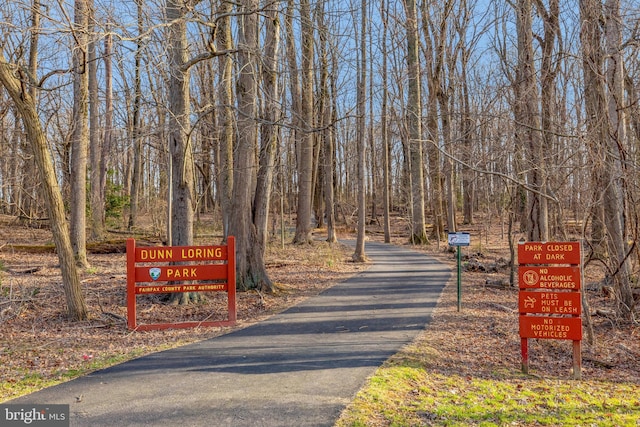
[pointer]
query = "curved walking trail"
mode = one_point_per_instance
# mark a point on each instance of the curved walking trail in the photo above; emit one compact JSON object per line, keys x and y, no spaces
{"x":298,"y":368}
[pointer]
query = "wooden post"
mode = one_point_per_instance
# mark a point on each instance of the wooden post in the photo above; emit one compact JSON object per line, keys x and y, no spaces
{"x":231,"y":278}
{"x":131,"y":283}
{"x":577,"y":360}
{"x":524,"y":347}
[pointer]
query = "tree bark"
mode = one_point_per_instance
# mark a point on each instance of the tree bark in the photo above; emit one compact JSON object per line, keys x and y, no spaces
{"x":180,"y":149}
{"x":433,"y":66}
{"x":80,"y":133}
{"x":305,"y":160}
{"x":527,"y":117}
{"x":16,"y":83}
{"x":386,"y":163}
{"x":360,"y":253}
{"x":95,"y":145}
{"x":135,"y":124}
{"x":603,"y":136}
{"x":326,"y":110}
{"x":226,"y":132}
{"x":548,"y":96}
{"x":270,"y":130}
{"x":108,"y":120}
{"x":614,"y":195}
{"x":414,"y":113}
{"x":251,"y":271}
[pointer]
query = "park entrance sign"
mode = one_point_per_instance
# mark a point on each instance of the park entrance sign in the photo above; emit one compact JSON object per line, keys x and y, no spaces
{"x":550,"y":301}
{"x":165,"y":269}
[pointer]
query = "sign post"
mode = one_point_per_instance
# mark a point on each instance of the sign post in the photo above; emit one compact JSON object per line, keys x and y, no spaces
{"x":459,"y":239}
{"x":549,"y":300}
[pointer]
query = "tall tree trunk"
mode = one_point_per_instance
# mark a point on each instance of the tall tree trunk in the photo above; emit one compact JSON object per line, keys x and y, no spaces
{"x":305,"y":160}
{"x":466,"y":121}
{"x":251,"y":271}
{"x":448,"y":172}
{"x":615,"y":160}
{"x":29,"y":173}
{"x":444,"y":91}
{"x":414,"y":113}
{"x":180,"y":149}
{"x":95,"y":144}
{"x":360,"y":254}
{"x":386,"y":146}
{"x":270,"y":130}
{"x":595,"y":104}
{"x":433,"y":66}
{"x":603,"y":136}
{"x":373,"y":151}
{"x":108,"y":120}
{"x":226,"y":132}
{"x":136,"y":174}
{"x":548,"y":95}
{"x":80,"y":133}
{"x":294,"y":88}
{"x":15,"y":85}
{"x":468,"y":175}
{"x":326,"y":112}
{"x":529,"y":125}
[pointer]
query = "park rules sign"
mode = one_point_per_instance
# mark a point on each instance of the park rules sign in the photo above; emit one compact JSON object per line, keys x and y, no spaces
{"x":550,"y":298}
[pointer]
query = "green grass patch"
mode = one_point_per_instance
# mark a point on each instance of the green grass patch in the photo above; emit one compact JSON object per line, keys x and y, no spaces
{"x":410,"y":396}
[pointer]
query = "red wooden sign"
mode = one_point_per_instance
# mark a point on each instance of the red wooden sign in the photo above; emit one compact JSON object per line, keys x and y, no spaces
{"x":550,"y":290}
{"x":206,"y":268}
{"x":566,"y":328}
{"x":550,"y":302}
{"x":550,"y":277}
{"x":549,"y":253}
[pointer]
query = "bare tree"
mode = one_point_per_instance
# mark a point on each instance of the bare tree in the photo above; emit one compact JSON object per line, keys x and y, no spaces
{"x":527,"y":117}
{"x":270,"y":132}
{"x":466,"y":126}
{"x":549,"y":68}
{"x":305,"y":153}
{"x":180,"y":148}
{"x":605,"y":135}
{"x":80,"y":134}
{"x":386,"y":146}
{"x":226,"y":120}
{"x":179,"y":126}
{"x":108,"y":119}
{"x":135,"y":125}
{"x":326,"y":115}
{"x":360,"y":254}
{"x":251,"y":271}
{"x":96,"y":202}
{"x":16,"y":82}
{"x":414,"y":119}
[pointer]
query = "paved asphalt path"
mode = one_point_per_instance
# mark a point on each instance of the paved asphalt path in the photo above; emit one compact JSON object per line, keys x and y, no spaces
{"x":297,"y":368}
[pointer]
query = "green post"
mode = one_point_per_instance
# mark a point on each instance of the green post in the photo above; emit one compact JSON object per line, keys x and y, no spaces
{"x":459,"y":239}
{"x":459,"y":281}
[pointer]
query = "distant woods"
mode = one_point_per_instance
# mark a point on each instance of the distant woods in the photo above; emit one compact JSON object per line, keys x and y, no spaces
{"x":252,"y":112}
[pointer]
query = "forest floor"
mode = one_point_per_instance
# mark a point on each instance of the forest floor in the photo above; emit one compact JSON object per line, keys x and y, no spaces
{"x":39,"y":346}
